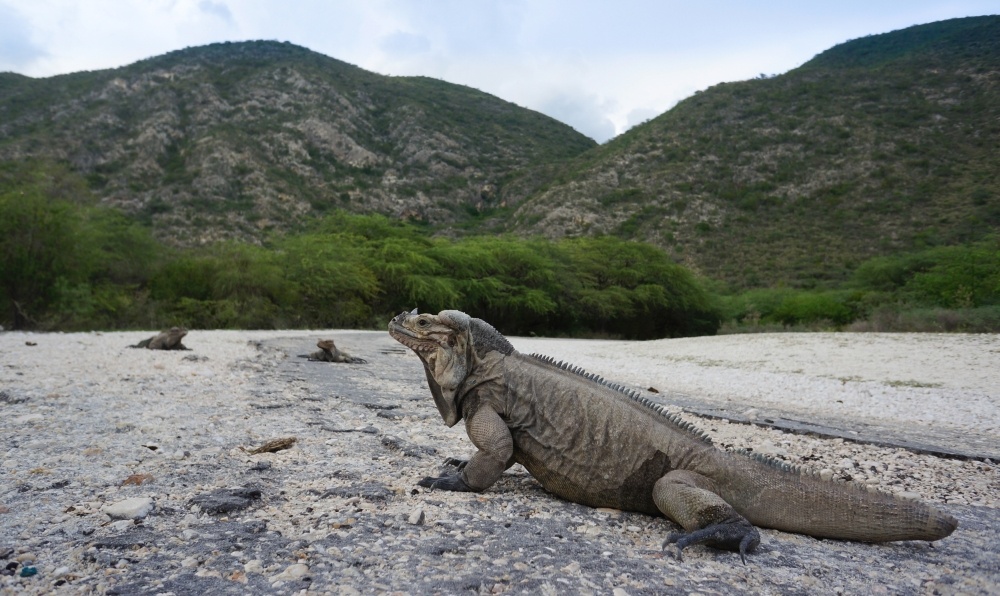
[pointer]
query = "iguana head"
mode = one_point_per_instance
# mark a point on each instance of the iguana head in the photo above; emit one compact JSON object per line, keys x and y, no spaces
{"x":450,"y":345}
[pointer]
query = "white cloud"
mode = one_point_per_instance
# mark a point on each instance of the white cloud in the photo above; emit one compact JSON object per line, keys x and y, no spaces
{"x":216,"y":9}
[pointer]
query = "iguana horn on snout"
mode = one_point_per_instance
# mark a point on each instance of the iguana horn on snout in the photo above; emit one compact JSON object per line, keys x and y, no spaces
{"x":414,"y":312}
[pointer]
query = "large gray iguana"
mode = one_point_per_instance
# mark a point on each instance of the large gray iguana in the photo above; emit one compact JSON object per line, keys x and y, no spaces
{"x":602,"y":445}
{"x":165,"y":340}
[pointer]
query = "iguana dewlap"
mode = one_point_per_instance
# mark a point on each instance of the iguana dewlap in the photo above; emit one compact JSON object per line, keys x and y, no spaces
{"x":599,"y":444}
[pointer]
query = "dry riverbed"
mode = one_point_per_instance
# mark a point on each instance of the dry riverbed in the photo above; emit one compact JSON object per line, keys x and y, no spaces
{"x":131,"y":471}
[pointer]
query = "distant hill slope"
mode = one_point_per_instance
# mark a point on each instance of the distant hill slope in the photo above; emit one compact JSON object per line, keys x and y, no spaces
{"x":233,"y":139}
{"x":878,"y":145}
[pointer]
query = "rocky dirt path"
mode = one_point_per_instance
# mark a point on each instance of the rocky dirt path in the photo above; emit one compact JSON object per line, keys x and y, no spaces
{"x":130,"y":472}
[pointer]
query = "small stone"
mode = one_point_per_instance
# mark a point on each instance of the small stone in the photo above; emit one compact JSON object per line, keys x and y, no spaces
{"x":25,"y":558}
{"x":826,"y":474}
{"x":189,"y":562}
{"x":291,"y":573}
{"x":417,"y":518}
{"x":60,"y":572}
{"x":253,"y":566}
{"x":137,"y":479}
{"x":122,"y":525}
{"x":28,"y":571}
{"x":226,"y":500}
{"x":136,"y":508}
{"x":572,"y":569}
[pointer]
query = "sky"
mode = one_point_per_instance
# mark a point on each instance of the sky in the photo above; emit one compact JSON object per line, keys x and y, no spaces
{"x":599,"y":66}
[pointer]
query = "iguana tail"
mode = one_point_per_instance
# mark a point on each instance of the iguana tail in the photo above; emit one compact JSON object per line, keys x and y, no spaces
{"x":772,"y":495}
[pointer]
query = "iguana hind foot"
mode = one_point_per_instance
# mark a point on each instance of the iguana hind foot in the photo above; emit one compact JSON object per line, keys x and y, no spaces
{"x":735,"y":535}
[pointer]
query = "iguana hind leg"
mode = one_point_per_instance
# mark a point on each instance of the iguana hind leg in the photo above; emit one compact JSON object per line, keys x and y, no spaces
{"x":489,"y":433}
{"x":690,"y":499}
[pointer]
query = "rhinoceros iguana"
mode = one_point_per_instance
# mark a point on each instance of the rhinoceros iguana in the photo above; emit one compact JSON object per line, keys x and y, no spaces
{"x":600,"y":444}
{"x":165,"y":340}
{"x":328,"y":352}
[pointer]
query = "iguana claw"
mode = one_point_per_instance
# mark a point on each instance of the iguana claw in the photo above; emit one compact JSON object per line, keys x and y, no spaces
{"x":458,"y":463}
{"x":738,"y":536}
{"x":453,"y":482}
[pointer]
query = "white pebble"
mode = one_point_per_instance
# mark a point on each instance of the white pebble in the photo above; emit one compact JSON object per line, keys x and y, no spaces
{"x":136,"y":508}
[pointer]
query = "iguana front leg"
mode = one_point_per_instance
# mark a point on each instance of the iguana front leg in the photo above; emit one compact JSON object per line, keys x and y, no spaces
{"x":488,"y":432}
{"x":691,"y":500}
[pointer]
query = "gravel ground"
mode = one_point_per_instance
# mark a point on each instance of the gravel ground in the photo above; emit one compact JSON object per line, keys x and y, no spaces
{"x":129,"y":471}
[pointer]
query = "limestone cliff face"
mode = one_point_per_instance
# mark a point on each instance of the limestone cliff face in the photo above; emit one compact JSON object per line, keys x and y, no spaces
{"x":231,"y":140}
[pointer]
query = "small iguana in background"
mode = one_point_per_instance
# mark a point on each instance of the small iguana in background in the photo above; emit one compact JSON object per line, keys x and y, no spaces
{"x":328,"y":352}
{"x":165,"y":340}
{"x":599,"y":444}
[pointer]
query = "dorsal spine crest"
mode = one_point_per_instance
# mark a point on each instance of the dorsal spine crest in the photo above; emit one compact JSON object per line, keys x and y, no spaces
{"x":628,"y":393}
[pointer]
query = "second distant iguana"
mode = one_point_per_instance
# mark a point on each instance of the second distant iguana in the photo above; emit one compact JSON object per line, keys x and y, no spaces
{"x":328,"y":352}
{"x":602,"y":445}
{"x":165,"y":340}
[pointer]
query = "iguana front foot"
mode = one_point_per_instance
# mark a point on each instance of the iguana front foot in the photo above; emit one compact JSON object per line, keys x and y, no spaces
{"x":453,"y":482}
{"x":735,"y":535}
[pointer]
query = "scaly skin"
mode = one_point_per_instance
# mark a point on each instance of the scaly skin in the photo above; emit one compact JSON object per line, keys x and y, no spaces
{"x":599,"y":444}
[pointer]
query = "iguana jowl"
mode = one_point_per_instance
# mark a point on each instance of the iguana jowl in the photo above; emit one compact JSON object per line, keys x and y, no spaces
{"x":599,"y":444}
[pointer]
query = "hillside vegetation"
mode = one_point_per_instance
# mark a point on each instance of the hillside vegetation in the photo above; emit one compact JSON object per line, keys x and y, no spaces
{"x":881,"y":145}
{"x":68,"y":263}
{"x":235,"y":140}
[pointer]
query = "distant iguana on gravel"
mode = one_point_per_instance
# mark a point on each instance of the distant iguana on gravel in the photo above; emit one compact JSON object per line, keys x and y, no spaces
{"x":600,"y":444}
{"x":328,"y":352}
{"x":165,"y":340}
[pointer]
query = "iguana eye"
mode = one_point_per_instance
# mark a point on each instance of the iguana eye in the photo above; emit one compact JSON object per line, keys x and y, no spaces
{"x":422,"y":322}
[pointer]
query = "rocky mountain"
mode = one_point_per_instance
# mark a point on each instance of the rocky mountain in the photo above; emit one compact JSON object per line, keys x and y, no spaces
{"x":879,"y":145}
{"x":235,"y":139}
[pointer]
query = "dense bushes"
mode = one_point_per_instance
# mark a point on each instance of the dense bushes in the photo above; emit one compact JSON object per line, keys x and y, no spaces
{"x":68,"y":264}
{"x":953,"y":288}
{"x":63,"y":261}
{"x":71,"y":265}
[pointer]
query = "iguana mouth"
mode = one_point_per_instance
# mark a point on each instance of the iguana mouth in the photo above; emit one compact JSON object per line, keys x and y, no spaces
{"x":407,"y":338}
{"x":417,"y":345}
